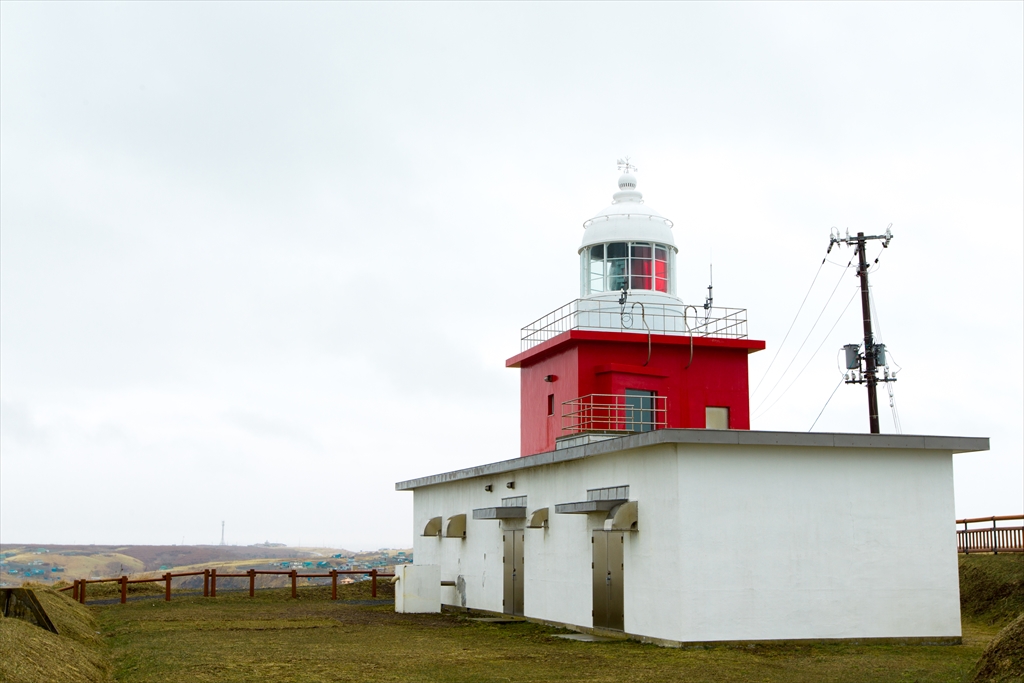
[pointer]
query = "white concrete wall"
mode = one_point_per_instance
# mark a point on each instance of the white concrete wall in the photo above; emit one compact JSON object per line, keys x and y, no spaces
{"x":735,"y":542}
{"x":417,"y":588}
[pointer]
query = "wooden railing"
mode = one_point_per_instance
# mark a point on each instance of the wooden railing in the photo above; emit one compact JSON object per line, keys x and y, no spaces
{"x":210,"y":577}
{"x":991,"y":538}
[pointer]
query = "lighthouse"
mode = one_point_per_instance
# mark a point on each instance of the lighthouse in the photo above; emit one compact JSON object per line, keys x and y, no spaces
{"x":642,"y":505}
{"x":629,"y":355}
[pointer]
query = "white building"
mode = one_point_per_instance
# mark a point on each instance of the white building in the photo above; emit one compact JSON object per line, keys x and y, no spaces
{"x":694,"y":535}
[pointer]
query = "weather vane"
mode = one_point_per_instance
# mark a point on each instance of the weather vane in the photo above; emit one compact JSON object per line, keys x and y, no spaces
{"x":625,"y":166}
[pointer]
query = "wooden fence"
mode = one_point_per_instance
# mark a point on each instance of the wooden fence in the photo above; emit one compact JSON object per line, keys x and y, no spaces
{"x":210,"y":576}
{"x":991,"y":538}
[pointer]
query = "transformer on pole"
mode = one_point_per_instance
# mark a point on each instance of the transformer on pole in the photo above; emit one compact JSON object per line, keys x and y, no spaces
{"x":874,"y":354}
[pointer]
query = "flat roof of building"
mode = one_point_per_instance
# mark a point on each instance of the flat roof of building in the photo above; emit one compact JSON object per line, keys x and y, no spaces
{"x":733,"y":437}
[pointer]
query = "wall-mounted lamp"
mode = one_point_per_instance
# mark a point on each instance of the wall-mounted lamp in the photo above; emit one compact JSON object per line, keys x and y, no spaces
{"x":550,"y":378}
{"x":510,"y":485}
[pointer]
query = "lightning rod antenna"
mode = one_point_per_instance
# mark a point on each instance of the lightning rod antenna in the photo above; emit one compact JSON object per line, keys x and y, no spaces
{"x":710,"y":300}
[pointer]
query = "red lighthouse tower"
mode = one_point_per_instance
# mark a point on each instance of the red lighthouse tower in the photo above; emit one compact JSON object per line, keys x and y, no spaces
{"x":628,"y":355}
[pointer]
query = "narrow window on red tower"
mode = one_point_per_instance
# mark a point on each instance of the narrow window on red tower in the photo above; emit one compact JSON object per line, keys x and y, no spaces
{"x":551,"y":404}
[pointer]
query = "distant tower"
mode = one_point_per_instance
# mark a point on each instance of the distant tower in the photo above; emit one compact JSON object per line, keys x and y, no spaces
{"x":630,"y":355}
{"x":222,"y":533}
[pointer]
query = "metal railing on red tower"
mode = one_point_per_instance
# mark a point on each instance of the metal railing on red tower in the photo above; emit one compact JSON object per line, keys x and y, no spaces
{"x":614,"y":413}
{"x":672,"y":319}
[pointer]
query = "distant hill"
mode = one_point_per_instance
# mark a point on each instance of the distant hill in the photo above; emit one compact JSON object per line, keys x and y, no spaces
{"x":24,"y":562}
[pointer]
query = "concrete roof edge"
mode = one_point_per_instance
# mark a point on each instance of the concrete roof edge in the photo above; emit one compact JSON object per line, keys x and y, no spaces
{"x":711,"y":437}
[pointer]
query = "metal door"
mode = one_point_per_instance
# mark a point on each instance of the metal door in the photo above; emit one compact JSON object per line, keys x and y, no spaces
{"x":512,"y":560}
{"x":608,"y":570}
{"x":639,"y":410}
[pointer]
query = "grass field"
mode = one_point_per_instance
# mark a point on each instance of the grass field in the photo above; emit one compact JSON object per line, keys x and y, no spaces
{"x":310,"y":639}
{"x":272,"y":637}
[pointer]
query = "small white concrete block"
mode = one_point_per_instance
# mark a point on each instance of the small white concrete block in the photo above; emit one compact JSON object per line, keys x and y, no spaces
{"x":418,"y":588}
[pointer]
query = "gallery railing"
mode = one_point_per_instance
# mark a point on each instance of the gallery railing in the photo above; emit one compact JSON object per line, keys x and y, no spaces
{"x":673,"y":319}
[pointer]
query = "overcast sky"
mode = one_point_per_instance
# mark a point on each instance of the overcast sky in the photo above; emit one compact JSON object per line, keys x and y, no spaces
{"x":258,"y":262}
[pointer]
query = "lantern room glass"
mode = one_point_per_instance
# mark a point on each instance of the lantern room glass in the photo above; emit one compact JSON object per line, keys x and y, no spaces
{"x":637,"y":265}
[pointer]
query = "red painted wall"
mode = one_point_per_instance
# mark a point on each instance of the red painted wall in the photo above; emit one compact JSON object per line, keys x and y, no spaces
{"x":611,"y":362}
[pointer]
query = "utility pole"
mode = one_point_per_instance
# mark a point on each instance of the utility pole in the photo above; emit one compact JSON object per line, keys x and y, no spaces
{"x":874,"y":354}
{"x":222,"y":526}
{"x":869,"y":337}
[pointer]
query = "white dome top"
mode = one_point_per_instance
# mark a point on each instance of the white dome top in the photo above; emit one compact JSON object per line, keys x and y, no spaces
{"x":628,"y":219}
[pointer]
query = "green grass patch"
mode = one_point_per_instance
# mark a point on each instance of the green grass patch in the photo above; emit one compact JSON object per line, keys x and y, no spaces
{"x":311,"y":638}
{"x":75,"y":654}
{"x":109,"y":590}
{"x":1003,"y":659}
{"x":273,"y":637}
{"x":992,"y":587}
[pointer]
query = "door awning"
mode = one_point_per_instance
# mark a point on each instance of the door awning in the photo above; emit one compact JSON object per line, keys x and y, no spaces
{"x":500,"y":513}
{"x":598,"y":500}
{"x":587,"y":506}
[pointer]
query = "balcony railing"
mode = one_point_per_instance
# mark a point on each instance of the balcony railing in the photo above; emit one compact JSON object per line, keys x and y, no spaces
{"x":678,"y":319}
{"x":614,"y":413}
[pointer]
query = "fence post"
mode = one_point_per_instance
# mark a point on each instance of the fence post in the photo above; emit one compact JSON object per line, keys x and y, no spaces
{"x":206,"y":583}
{"x":293,"y":573}
{"x":81,"y":592}
{"x":124,"y":589}
{"x":995,"y":543}
{"x":967,"y":546}
{"x":373,"y":583}
{"x":334,"y":584}
{"x":167,"y":589}
{"x":252,"y":582}
{"x":74,"y":591}
{"x":213,"y":582}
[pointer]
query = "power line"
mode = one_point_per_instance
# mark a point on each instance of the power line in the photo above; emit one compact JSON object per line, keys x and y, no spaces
{"x":827,"y":402}
{"x":838,"y":282}
{"x":896,"y":421}
{"x":874,"y":306}
{"x":779,"y":349}
{"x":790,"y":385}
{"x":827,"y":334}
{"x":895,"y":413}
